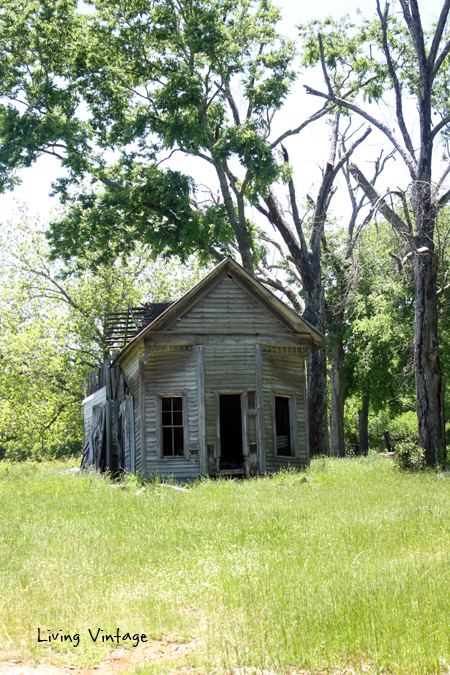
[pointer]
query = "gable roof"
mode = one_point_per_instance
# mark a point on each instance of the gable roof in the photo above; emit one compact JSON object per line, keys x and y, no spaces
{"x":229,"y":267}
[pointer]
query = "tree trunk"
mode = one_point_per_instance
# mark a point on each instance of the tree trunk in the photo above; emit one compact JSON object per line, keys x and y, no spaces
{"x":337,"y":446}
{"x":429,"y":383}
{"x":363,"y":415}
{"x":319,"y":442}
{"x":317,"y":403}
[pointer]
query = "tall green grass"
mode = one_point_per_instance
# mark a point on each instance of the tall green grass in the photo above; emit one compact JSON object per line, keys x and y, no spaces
{"x":351,"y":566}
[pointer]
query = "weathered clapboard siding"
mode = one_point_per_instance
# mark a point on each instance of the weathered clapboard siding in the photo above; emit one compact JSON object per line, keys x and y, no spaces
{"x":227,"y":368}
{"x":130,"y":367}
{"x":176,"y":467}
{"x":228,"y":308}
{"x":284,"y":373}
{"x":126,"y":412}
{"x":227,"y":335}
{"x":98,"y":398}
{"x":170,"y":371}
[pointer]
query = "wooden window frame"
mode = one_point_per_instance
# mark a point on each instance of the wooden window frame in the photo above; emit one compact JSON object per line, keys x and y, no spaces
{"x":292,"y":423}
{"x":159,"y":436}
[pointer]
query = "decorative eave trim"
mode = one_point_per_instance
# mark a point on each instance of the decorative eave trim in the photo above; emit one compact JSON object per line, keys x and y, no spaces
{"x":284,"y":314}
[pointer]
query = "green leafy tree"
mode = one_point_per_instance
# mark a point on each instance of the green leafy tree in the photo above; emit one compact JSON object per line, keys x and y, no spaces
{"x":379,"y":345}
{"x":52,"y":319}
{"x":146,"y":80}
{"x":153,"y":77}
{"x":378,"y":332}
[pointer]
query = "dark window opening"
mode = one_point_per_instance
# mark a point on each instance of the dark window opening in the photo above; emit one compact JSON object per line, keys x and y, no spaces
{"x":172,"y":426}
{"x":283,"y":426}
{"x":231,"y":448}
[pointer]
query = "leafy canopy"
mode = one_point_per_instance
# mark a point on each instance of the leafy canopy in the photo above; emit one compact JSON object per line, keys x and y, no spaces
{"x":52,"y":331}
{"x":109,"y":86}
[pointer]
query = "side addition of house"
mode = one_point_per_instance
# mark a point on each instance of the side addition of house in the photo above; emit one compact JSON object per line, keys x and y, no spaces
{"x":214,"y":385}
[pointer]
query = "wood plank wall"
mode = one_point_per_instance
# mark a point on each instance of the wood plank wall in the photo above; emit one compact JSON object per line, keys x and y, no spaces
{"x":284,"y":373}
{"x":96,"y":379}
{"x":227,"y":368}
{"x":228,"y":308}
{"x":130,"y":367}
{"x":171,"y":370}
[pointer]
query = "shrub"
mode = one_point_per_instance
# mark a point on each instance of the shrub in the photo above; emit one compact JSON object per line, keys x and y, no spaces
{"x":409,"y":457}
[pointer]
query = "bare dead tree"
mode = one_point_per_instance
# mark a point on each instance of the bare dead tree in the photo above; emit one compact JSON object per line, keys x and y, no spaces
{"x":303,"y":257}
{"x":426,"y":199}
{"x":345,"y":278}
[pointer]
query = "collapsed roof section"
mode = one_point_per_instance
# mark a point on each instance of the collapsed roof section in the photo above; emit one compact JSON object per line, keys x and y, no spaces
{"x":120,"y":327}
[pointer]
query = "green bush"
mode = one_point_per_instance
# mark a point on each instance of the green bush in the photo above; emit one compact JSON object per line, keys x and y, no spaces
{"x":409,"y":457}
{"x":402,"y":428}
{"x":15,"y":451}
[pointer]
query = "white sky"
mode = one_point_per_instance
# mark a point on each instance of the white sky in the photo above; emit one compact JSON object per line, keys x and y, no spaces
{"x":307,"y":151}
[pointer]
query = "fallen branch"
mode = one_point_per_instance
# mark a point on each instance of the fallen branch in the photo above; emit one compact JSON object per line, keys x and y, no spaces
{"x":173,"y":487}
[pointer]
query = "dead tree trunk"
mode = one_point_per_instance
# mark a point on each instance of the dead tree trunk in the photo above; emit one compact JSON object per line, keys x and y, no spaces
{"x":317,"y":361}
{"x":363,"y":415}
{"x":337,"y":444}
{"x":306,"y":257}
{"x":428,"y":372}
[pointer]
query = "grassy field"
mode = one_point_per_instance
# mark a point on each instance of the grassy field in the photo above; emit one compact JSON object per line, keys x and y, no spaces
{"x":348,"y":564}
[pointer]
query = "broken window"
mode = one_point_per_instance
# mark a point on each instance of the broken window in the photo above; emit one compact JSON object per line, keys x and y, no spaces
{"x":172,"y":426}
{"x":283,"y":425}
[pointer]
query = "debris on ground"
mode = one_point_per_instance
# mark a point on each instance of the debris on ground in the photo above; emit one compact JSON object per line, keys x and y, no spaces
{"x":169,"y":650}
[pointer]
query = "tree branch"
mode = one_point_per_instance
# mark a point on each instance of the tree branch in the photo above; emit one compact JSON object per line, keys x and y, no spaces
{"x":316,"y":116}
{"x":46,"y":427}
{"x":402,"y":195}
{"x":440,"y":126}
{"x":409,"y":160}
{"x":293,"y":198}
{"x":110,"y":183}
{"x":214,"y":253}
{"x":326,"y":192}
{"x":237,"y":223}
{"x":438,"y":35}
{"x":414,"y":24}
{"x":442,"y":290}
{"x":324,"y":67}
{"x":397,"y":86}
{"x":269,"y":279}
{"x":354,"y":240}
{"x":444,"y":175}
{"x":350,"y":151}
{"x":378,"y":201}
{"x":424,"y":250}
{"x":275,"y":213}
{"x":287,"y":258}
{"x":441,"y":58}
{"x":442,"y":201}
{"x":227,"y":91}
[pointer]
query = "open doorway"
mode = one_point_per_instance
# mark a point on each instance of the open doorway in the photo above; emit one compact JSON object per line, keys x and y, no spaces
{"x":231,"y":448}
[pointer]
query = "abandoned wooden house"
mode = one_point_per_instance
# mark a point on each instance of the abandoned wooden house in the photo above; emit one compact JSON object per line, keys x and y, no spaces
{"x":213,"y":384}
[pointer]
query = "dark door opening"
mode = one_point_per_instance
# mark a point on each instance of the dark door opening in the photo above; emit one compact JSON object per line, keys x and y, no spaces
{"x":231,"y":455}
